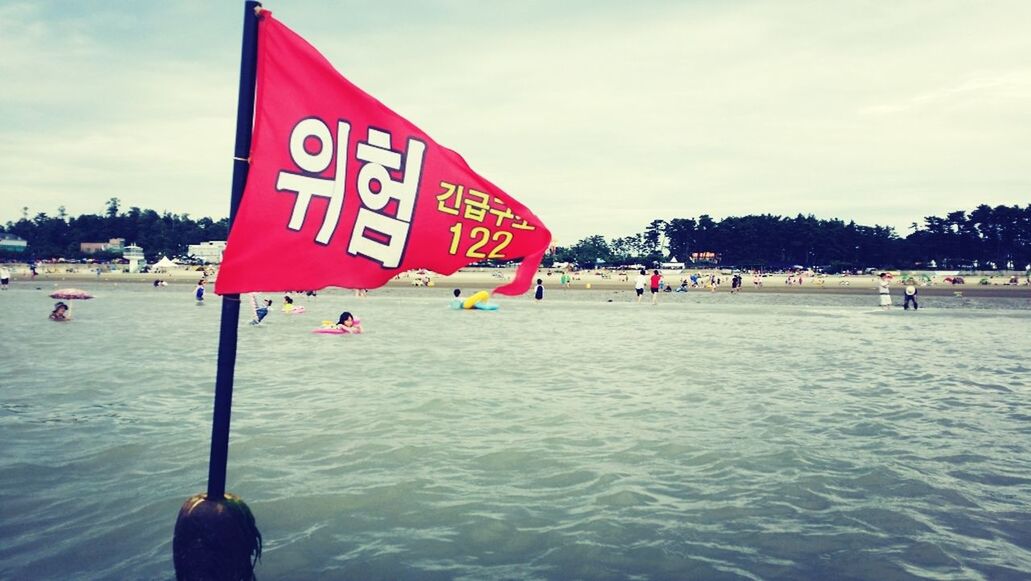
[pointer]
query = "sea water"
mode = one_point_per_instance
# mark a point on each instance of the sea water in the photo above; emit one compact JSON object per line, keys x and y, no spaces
{"x":710,"y":437}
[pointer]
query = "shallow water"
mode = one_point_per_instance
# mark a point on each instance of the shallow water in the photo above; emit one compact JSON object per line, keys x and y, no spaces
{"x":712,"y":437}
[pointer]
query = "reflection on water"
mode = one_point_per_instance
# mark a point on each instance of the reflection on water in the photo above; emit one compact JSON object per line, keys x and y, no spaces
{"x":715,"y":437}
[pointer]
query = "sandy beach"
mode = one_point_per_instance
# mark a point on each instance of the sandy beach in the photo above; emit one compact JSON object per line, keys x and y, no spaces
{"x":601,"y":280}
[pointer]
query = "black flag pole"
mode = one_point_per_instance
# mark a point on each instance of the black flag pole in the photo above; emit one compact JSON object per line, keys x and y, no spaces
{"x":231,"y":303}
{"x":215,"y":535}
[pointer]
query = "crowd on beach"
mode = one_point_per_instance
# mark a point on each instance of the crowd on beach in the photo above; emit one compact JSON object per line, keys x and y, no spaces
{"x":645,"y":283}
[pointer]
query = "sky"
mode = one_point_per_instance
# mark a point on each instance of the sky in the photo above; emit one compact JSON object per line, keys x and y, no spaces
{"x":599,"y":116}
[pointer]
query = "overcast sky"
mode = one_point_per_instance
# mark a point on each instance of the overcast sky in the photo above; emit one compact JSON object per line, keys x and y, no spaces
{"x":599,"y":116}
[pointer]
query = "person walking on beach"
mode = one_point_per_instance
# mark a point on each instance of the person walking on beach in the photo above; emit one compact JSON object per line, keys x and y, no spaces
{"x":5,"y":277}
{"x":884,"y":291}
{"x":656,"y":280}
{"x":538,"y":293}
{"x":642,"y":279}
{"x":910,"y":295}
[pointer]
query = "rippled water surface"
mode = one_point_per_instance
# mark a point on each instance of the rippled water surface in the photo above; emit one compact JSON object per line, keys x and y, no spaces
{"x":712,"y":437}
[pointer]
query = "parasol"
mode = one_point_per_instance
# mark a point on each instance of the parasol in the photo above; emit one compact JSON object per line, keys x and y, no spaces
{"x":70,"y":294}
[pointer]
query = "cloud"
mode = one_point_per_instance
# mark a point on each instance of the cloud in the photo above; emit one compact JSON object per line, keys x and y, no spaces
{"x":600,"y":116}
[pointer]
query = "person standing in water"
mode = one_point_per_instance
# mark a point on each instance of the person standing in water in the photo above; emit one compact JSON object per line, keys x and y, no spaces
{"x":910,"y":295}
{"x":642,"y":279}
{"x":198,"y":293}
{"x":60,"y":313}
{"x":538,"y":293}
{"x":656,"y":280}
{"x":884,"y":290}
{"x":260,"y":311}
{"x":5,"y":277}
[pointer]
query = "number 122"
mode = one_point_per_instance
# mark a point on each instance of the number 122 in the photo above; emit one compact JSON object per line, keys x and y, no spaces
{"x":482,"y":237}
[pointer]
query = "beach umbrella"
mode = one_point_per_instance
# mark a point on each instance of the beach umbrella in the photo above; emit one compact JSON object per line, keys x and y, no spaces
{"x":70,"y":294}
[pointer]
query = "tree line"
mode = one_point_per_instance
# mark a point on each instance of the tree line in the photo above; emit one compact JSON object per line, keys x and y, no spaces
{"x":984,"y":238}
{"x":159,"y":235}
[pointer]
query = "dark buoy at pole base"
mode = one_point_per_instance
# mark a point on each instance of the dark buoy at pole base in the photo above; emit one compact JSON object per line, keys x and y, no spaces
{"x":216,"y":537}
{"x":215,"y":540}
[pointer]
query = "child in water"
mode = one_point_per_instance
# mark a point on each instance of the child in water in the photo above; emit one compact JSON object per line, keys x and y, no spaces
{"x":456,"y":303}
{"x":198,"y":292}
{"x":538,"y":293}
{"x":288,"y":304}
{"x":262,"y":311}
{"x":348,"y":323}
{"x":60,"y":313}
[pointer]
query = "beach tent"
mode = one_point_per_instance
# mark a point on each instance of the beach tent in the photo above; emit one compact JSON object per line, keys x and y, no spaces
{"x":164,"y":263}
{"x":673,"y":264}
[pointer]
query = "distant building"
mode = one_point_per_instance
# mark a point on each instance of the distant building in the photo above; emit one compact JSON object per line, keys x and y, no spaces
{"x":705,"y":257}
{"x":134,"y":254}
{"x":112,"y":245}
{"x":210,"y":252}
{"x":12,"y":243}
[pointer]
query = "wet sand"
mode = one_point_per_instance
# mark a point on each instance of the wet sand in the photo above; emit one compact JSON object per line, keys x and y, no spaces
{"x":470,"y":279}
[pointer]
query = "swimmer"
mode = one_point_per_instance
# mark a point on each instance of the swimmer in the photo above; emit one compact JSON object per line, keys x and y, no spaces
{"x":456,"y":303}
{"x":538,"y":293}
{"x":348,"y":323}
{"x":264,"y":311}
{"x":198,"y":292}
{"x":60,"y":313}
{"x":288,"y":304}
{"x":260,"y":312}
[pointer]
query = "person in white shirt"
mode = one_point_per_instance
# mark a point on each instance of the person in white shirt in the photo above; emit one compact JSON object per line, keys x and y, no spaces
{"x":883,"y":290}
{"x":642,"y":280}
{"x":5,"y":277}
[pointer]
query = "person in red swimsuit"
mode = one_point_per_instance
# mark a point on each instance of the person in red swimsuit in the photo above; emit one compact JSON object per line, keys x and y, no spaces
{"x":655,"y":280}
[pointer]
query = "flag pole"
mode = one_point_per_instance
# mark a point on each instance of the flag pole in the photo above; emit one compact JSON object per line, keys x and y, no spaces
{"x":231,"y":303}
{"x":216,"y":536}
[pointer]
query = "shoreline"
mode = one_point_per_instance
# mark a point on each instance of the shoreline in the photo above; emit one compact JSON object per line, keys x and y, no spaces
{"x":857,"y":285}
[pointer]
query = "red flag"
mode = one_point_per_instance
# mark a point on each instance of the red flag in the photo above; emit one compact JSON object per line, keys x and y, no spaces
{"x":344,"y":192}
